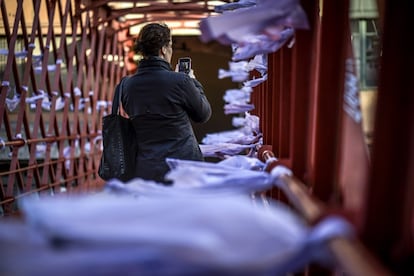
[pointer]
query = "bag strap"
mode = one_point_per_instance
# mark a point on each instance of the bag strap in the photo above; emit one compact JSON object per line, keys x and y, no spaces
{"x":117,"y":97}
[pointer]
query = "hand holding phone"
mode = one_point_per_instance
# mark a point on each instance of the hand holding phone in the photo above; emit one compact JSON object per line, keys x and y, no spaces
{"x":184,"y":65}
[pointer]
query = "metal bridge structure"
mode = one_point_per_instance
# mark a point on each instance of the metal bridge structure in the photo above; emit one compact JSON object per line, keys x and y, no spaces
{"x":61,"y":59}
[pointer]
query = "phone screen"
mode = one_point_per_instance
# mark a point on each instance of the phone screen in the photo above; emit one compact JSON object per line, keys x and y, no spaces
{"x":184,"y":65}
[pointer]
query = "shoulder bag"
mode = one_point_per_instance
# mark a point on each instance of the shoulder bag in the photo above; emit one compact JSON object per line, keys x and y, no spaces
{"x":120,"y":143}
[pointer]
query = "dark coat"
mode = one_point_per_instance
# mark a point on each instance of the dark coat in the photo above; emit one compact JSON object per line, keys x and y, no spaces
{"x":161,"y":104}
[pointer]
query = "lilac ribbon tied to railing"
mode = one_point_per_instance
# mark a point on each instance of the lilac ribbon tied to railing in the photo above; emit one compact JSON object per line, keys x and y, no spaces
{"x":234,"y":26}
{"x":104,"y":234}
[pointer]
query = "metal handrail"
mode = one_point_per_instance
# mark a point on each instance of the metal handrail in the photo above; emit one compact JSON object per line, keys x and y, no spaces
{"x":352,"y":257}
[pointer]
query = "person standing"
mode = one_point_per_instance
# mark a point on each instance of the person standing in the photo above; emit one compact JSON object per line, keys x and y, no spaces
{"x":161,"y":104}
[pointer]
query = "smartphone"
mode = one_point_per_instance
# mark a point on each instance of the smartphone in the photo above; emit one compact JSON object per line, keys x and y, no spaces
{"x":184,"y":65}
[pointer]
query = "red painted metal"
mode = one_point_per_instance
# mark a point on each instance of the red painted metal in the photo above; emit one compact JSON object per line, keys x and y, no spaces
{"x":66,"y":164}
{"x":388,"y":228}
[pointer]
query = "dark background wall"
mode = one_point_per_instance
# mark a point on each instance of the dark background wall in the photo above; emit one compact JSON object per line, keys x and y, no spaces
{"x":207,"y":59}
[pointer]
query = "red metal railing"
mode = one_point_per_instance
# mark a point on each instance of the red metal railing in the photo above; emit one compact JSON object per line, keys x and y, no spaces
{"x":65,"y":59}
{"x":302,"y":119}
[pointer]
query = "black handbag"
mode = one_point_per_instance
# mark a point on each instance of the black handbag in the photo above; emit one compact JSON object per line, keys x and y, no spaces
{"x":119,"y":143}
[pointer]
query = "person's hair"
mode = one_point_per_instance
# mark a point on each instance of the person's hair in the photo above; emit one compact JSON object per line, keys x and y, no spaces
{"x":152,"y":38}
